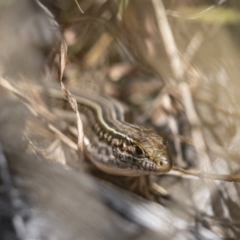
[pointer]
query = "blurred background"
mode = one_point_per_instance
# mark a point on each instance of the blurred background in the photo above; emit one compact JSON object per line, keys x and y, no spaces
{"x":173,"y":64}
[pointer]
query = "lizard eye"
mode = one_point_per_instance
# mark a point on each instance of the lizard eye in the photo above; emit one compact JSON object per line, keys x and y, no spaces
{"x":138,"y":151}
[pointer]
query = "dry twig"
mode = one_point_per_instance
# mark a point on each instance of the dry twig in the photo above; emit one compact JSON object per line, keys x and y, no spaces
{"x":204,"y":175}
{"x":71,"y":100}
{"x":168,"y":39}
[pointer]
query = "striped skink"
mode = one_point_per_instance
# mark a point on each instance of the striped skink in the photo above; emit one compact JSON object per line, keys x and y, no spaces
{"x":115,"y":146}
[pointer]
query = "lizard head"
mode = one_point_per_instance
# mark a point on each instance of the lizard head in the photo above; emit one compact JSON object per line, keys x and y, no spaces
{"x":150,"y":151}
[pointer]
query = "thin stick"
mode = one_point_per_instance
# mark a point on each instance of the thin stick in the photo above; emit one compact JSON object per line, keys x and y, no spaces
{"x":168,"y":39}
{"x":79,"y":6}
{"x":71,"y":100}
{"x":197,"y":135}
{"x":63,"y":138}
{"x":206,"y":175}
